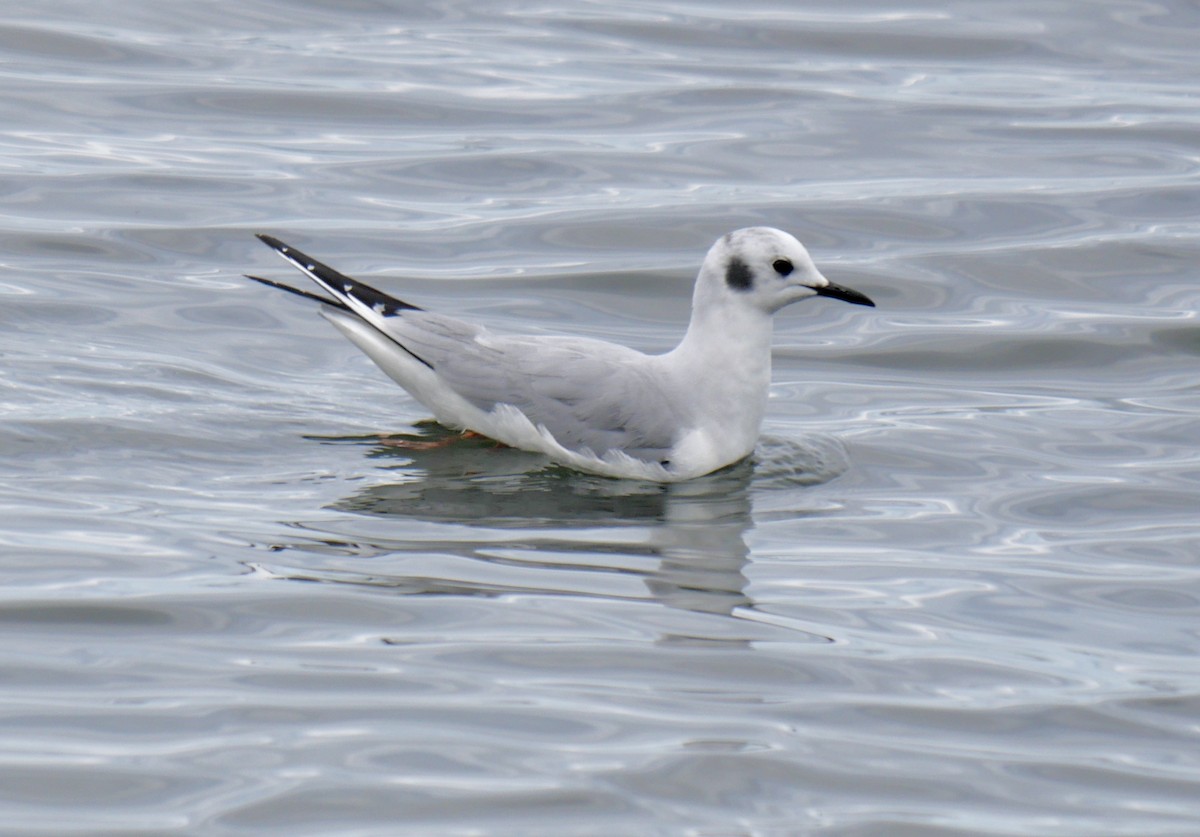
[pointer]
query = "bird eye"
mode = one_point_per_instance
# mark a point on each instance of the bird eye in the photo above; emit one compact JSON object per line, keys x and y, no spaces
{"x":782,"y":266}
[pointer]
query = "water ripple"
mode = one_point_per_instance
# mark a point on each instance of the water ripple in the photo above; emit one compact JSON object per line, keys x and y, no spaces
{"x":954,"y":591}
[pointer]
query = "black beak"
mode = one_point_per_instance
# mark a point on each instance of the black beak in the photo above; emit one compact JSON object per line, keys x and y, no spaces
{"x":845,"y":294}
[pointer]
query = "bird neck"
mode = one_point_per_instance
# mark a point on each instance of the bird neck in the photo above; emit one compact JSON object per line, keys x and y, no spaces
{"x":726,"y":325}
{"x":726,"y":356}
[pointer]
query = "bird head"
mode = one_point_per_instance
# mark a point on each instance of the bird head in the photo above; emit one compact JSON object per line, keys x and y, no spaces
{"x":766,"y":268}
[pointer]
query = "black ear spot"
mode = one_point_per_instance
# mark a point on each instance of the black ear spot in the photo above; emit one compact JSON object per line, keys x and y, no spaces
{"x":737,"y":275}
{"x":783,"y":267}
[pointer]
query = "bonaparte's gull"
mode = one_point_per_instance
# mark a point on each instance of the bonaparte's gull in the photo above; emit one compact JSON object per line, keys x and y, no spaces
{"x":596,"y":406}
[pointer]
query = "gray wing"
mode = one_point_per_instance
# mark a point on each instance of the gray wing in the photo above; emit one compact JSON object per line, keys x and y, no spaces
{"x":586,"y":393}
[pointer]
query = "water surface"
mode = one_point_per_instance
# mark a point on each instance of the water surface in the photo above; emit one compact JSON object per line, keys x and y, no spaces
{"x":955,"y":592}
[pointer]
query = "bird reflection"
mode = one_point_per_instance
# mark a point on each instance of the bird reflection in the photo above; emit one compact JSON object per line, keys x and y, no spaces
{"x":685,"y":542}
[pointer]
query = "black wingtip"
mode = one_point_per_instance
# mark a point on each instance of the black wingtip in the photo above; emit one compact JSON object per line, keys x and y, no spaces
{"x":336,"y":303}
{"x":271,"y":241}
{"x":336,"y":284}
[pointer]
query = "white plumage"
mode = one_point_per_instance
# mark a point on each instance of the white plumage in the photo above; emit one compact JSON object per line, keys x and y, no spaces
{"x":596,"y":406}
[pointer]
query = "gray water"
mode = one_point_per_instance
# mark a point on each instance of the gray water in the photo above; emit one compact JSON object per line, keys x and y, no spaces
{"x":956,"y":592}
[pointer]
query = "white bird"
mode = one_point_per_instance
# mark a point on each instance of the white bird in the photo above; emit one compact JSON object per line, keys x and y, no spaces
{"x":589,"y":404}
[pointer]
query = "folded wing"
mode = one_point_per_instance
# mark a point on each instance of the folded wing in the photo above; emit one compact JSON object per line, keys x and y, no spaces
{"x":588,"y":394}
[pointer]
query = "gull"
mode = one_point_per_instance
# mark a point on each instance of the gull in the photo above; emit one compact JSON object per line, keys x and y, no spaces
{"x":589,"y":404}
